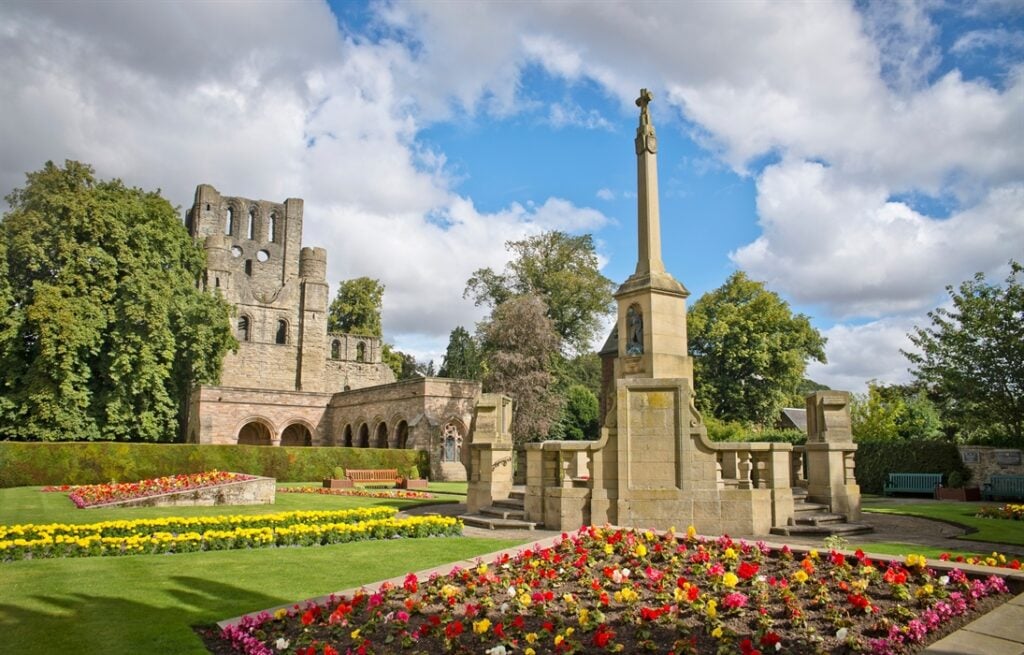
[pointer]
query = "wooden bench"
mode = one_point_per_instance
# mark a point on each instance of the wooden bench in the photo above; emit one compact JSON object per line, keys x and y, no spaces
{"x":372,"y":477}
{"x":1004,"y":486}
{"x":912,"y":483}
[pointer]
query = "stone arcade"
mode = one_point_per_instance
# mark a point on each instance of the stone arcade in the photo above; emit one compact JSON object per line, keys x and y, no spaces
{"x":654,"y":466}
{"x":292,"y":383}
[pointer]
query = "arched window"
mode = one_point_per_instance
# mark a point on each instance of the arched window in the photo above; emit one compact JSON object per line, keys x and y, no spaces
{"x":272,"y":228}
{"x":243,"y":328}
{"x":282,"y":332}
{"x":250,"y":230}
{"x":335,"y":349}
{"x":360,"y":352}
{"x":229,"y":224}
{"x":451,"y":443}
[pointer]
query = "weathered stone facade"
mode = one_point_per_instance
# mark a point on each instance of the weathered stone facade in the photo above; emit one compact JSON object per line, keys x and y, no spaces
{"x":292,"y":383}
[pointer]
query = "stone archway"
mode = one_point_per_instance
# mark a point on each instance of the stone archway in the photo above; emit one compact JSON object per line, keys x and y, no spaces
{"x":296,"y":434}
{"x":402,"y":435}
{"x":254,"y":433}
{"x":364,"y":436}
{"x":380,"y":435}
{"x":346,"y":440}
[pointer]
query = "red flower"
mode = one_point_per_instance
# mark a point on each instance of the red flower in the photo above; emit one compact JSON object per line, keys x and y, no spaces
{"x":603,"y":635}
{"x":412,"y":583}
{"x":747,"y":570}
{"x":453,"y":629}
{"x":330,"y":650}
{"x":770,"y":639}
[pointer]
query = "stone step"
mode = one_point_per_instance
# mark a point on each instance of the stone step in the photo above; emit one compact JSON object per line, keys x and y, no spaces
{"x":799,"y":493}
{"x":823,"y":530}
{"x":819,"y":519}
{"x":517,"y":494}
{"x":494,"y":523}
{"x":504,"y":512}
{"x":810,"y":507}
{"x":510,"y":503}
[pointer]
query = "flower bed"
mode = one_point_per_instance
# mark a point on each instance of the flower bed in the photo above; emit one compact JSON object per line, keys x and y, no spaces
{"x":170,"y":535}
{"x":1012,"y":511}
{"x":360,"y":493}
{"x":89,"y":495}
{"x":628,"y":591}
{"x":997,"y":560}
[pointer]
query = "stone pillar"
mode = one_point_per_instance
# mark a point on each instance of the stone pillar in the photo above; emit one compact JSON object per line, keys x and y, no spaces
{"x":830,"y":453}
{"x":490,"y":475}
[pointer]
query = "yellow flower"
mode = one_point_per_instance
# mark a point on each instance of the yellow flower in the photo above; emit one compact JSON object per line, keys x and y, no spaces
{"x":569,"y":631}
{"x":641,"y":550}
{"x":729,"y":554}
{"x":569,"y":599}
{"x":531,"y":637}
{"x":926,"y":590}
{"x":529,"y":651}
{"x":584,"y":615}
{"x":916,"y":561}
{"x":354,"y":634}
{"x":813,"y":554}
{"x":717,"y":632}
{"x":800,"y":576}
{"x":691,"y":533}
{"x":280,"y":614}
{"x":481,"y":626}
{"x":730,"y":579}
{"x":524,"y":599}
{"x":608,"y":549}
{"x":448,"y":591}
{"x":559,"y":639}
{"x":481,"y":569}
{"x":712,"y":609}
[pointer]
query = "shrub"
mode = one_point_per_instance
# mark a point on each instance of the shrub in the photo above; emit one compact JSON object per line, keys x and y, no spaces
{"x":877,"y":459}
{"x":23,"y":464}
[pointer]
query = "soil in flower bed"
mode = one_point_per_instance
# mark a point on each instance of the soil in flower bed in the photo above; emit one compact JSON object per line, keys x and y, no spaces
{"x":358,"y":493}
{"x":604,"y":591}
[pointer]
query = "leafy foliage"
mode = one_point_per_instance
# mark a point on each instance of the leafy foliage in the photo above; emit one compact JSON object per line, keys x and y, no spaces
{"x":750,"y":350}
{"x":95,"y":463}
{"x":462,"y":359}
{"x":356,"y":307}
{"x":741,"y":432}
{"x":877,"y":459}
{"x":519,"y":342}
{"x":104,"y":331}
{"x":971,"y":359}
{"x":894,"y":412}
{"x":583,"y":369}
{"x":563,"y":271}
{"x":579,"y":420}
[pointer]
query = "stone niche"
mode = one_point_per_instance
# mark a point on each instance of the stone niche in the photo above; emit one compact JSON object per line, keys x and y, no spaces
{"x":255,"y":491}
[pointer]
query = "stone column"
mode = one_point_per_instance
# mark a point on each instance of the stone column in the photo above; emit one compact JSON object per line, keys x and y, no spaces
{"x":830,"y":453}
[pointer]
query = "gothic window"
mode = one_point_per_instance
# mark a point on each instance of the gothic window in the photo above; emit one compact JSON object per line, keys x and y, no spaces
{"x":243,"y":328}
{"x":360,"y":352}
{"x":252,"y":223}
{"x":272,"y":228}
{"x":335,"y":349}
{"x":229,"y":224}
{"x":451,"y":443}
{"x":248,"y":267}
{"x":282,"y":332}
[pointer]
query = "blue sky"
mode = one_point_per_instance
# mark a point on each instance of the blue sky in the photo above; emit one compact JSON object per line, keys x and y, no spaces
{"x":857,"y":157}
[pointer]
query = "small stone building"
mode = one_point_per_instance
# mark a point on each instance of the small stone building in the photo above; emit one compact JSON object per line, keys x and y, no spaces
{"x":292,"y":383}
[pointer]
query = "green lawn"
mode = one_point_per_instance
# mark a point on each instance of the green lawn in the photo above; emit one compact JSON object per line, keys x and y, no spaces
{"x":896,"y":548}
{"x":148,"y":603}
{"x":1000,"y":531}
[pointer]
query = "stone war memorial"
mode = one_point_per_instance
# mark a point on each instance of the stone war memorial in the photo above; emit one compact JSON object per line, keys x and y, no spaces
{"x":654,"y":466}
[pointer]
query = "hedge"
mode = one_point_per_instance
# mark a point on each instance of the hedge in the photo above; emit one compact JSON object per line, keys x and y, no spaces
{"x":29,"y":464}
{"x":875,"y":460}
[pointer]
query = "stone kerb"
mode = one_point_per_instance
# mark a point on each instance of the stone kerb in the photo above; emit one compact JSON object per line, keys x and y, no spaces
{"x":254,"y":491}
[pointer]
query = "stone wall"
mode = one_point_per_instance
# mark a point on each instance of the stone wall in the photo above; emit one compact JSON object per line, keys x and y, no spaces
{"x":985,"y":461}
{"x":218,"y":414}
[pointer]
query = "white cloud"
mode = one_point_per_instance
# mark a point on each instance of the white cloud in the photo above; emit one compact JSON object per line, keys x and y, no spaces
{"x":570,"y":114}
{"x":989,"y":38}
{"x":605,"y":194}
{"x":859,"y":353}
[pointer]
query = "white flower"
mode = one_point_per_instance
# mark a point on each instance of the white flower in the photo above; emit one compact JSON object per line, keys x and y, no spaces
{"x":504,"y":608}
{"x":281,"y":643}
{"x":497,"y":650}
{"x":841,"y":634}
{"x":625,"y":573}
{"x":944,"y":580}
{"x":512,"y":591}
{"x":778,"y":645}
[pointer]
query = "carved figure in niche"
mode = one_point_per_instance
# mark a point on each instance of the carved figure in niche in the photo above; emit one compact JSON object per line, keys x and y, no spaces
{"x":634,"y":331}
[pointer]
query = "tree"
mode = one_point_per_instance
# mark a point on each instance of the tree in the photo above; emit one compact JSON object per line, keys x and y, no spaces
{"x":104,"y":330}
{"x":579,"y":419}
{"x":894,"y":412}
{"x":971,"y":359}
{"x":804,"y":389}
{"x":462,"y":358}
{"x":750,"y":350}
{"x":519,"y":342}
{"x":563,"y":271}
{"x":356,"y":307}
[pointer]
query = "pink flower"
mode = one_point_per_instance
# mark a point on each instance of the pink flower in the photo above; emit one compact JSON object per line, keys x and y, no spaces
{"x":735,"y":600}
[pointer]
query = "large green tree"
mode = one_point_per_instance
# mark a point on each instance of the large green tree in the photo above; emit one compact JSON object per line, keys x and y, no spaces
{"x":519,"y":342}
{"x":971,"y":359}
{"x":356,"y":307}
{"x":104,"y":330}
{"x":894,"y":412}
{"x":750,"y":350}
{"x":462,"y":359}
{"x":563,"y":271}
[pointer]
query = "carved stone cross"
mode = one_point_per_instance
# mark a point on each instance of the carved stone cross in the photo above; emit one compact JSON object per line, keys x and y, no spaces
{"x":645,"y":99}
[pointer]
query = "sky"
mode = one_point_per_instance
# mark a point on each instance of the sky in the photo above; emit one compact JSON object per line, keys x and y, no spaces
{"x":855,"y":157}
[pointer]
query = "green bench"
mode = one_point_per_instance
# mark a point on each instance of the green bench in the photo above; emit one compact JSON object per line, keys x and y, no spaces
{"x":1004,"y":486}
{"x":912,"y":483}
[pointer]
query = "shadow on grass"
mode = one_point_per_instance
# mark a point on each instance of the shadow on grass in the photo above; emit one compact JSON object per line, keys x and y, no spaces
{"x":82,"y":623}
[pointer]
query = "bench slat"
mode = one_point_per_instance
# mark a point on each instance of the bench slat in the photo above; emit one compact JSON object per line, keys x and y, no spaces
{"x":912,"y":483}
